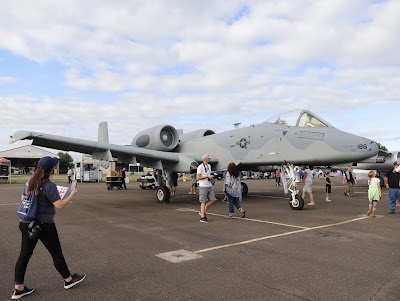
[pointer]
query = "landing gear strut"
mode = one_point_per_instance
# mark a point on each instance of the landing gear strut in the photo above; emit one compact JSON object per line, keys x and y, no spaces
{"x":296,"y":202}
{"x":163,"y":194}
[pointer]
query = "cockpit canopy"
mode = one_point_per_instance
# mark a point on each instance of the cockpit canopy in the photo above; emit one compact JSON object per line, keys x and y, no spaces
{"x":299,"y":119}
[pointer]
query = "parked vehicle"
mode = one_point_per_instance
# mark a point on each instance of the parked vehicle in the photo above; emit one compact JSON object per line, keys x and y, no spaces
{"x":219,"y":175}
{"x":264,"y":175}
{"x":15,"y":171}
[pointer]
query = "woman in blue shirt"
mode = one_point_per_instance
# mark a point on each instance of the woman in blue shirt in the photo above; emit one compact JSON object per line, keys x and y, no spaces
{"x":48,"y":199}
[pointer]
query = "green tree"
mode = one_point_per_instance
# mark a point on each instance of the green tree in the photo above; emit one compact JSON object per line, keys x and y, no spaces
{"x":381,"y":147}
{"x":65,"y":161}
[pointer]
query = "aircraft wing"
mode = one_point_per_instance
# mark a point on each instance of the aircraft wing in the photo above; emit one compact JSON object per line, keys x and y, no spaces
{"x":100,"y":151}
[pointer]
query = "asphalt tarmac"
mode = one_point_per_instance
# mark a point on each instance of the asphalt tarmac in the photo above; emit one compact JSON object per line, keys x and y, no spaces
{"x":330,"y":251}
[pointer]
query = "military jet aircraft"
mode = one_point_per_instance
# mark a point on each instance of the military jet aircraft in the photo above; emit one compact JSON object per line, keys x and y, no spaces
{"x":309,"y":140}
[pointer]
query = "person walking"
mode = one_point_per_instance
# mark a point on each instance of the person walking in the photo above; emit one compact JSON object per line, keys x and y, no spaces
{"x":123,"y":174}
{"x":48,"y":199}
{"x":349,"y":178}
{"x":278,"y":177}
{"x":193,"y":184}
{"x":69,"y":175}
{"x":328,"y":186}
{"x":392,"y":182}
{"x":206,"y":188}
{"x":233,"y":190}
{"x":307,"y":180}
{"x":374,"y":193}
{"x":174,"y":183}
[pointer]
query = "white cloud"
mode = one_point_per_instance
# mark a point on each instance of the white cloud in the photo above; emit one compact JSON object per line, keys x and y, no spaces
{"x":7,"y":80}
{"x":334,"y":57}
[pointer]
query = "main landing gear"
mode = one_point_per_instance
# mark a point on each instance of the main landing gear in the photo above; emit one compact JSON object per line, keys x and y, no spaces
{"x":245,"y":189}
{"x":162,"y":193}
{"x":289,"y":180}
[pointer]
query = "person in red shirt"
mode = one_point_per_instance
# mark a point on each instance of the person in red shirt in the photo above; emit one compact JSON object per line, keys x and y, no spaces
{"x":278,"y":177}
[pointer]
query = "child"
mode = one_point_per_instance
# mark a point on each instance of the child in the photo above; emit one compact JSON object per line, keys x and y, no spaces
{"x":374,"y":193}
{"x":328,"y":186}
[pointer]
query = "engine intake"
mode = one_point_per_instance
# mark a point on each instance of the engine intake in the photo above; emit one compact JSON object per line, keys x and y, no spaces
{"x":196,"y":134}
{"x":160,"y":137}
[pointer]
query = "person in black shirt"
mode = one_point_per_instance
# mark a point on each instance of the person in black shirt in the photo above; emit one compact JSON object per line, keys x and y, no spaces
{"x":123,"y":174}
{"x":328,"y":186}
{"x":392,"y":181}
{"x":349,"y":178}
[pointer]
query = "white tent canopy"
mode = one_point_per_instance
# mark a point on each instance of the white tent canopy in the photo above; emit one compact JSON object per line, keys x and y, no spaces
{"x":5,"y":169}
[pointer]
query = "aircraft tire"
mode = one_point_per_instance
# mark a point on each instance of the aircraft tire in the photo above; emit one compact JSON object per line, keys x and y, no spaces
{"x":299,"y":205}
{"x":245,"y":189}
{"x":163,"y":194}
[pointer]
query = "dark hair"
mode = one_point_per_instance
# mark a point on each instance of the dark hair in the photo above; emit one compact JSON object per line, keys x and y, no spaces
{"x":233,"y":170}
{"x":37,"y":180}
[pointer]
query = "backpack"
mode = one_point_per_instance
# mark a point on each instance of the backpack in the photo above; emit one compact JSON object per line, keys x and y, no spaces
{"x":28,"y":208}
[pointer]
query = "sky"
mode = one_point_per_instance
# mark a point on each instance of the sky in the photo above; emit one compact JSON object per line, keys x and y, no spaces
{"x":65,"y":66}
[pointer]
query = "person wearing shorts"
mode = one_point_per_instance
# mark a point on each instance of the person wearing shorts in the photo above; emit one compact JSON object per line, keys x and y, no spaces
{"x":206,"y":188}
{"x":307,"y":179}
{"x":193,"y":184}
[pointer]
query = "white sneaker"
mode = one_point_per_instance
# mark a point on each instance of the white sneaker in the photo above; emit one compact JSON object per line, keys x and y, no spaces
{"x":189,"y":192}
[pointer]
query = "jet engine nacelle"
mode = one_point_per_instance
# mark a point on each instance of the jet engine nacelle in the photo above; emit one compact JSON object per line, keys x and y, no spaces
{"x":161,"y":138}
{"x":196,"y":134}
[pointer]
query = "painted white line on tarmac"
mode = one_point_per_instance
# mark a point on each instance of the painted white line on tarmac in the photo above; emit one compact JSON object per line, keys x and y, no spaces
{"x":279,"y":235}
{"x":260,"y":221}
{"x":9,"y":204}
{"x":245,"y":219}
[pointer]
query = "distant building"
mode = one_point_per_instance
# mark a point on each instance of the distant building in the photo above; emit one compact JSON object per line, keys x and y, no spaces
{"x":25,"y":158}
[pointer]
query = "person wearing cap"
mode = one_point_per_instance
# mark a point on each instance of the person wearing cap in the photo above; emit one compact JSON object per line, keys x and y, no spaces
{"x":48,"y":199}
{"x":392,"y":182}
{"x":206,"y":188}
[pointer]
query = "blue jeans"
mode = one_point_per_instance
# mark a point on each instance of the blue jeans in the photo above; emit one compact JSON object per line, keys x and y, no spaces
{"x":394,"y":193}
{"x":232,"y":202}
